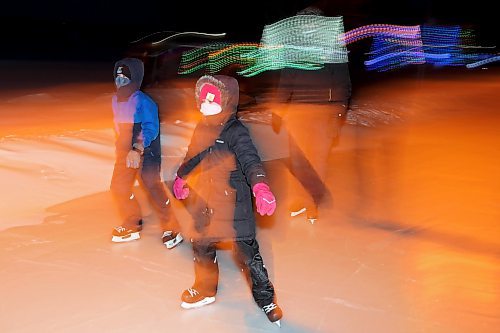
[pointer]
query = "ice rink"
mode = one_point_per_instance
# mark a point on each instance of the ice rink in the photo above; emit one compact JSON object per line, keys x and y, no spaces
{"x":410,"y":244}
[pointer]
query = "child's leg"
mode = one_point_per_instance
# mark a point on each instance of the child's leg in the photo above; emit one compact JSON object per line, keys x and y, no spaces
{"x":206,"y":268}
{"x":122,"y":183}
{"x":206,"y":272}
{"x":249,"y":256}
{"x":150,"y":177}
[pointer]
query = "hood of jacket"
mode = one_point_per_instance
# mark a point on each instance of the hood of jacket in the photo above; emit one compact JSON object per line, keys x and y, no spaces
{"x":229,"y":88}
{"x":136,"y":68}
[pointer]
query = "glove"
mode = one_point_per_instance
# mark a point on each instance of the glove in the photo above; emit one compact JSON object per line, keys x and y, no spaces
{"x":133,"y":159}
{"x":180,"y":192}
{"x":264,"y":199}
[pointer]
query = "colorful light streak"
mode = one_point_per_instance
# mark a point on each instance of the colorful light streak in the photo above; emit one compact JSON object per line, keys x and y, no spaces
{"x":303,"y":41}
{"x":307,"y":42}
{"x":397,"y":46}
{"x":483,"y":62}
{"x":398,"y":32}
{"x":393,"y":47}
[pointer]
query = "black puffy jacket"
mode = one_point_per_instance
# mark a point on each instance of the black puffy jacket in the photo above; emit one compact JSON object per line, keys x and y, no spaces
{"x":225,"y":163}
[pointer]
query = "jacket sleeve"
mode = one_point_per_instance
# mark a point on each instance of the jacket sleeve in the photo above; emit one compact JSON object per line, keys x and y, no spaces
{"x":190,"y":160}
{"x":240,"y":142}
{"x":188,"y":165}
{"x":150,"y":123}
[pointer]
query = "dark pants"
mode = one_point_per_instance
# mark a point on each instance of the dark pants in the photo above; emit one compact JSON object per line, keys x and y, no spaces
{"x":122,"y":183}
{"x":248,"y":256}
{"x":313,"y":130}
{"x":303,"y":171}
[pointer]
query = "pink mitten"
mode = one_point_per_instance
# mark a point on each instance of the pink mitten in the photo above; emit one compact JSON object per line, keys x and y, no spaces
{"x":180,"y":191}
{"x":264,"y":199}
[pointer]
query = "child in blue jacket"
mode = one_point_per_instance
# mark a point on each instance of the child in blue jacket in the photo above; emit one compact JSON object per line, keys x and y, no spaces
{"x":138,"y":152}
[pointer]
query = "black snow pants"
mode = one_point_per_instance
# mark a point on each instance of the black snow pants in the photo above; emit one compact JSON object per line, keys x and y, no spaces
{"x":249,"y":258}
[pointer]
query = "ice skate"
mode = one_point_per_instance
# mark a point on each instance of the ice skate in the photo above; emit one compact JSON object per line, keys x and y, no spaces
{"x":311,"y":211}
{"x":122,"y":234}
{"x":191,"y":299}
{"x":171,"y":239}
{"x":312,"y":214}
{"x":296,"y":209}
{"x":273,"y":313}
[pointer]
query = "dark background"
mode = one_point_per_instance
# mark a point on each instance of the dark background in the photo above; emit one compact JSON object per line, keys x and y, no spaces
{"x":96,"y":30}
{"x":79,"y":41}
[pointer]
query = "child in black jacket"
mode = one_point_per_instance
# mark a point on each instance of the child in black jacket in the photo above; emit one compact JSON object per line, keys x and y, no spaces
{"x":229,"y":170}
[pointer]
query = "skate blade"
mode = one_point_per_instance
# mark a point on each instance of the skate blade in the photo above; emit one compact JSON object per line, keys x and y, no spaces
{"x":312,"y":219}
{"x":199,"y":304}
{"x":298,"y":212}
{"x":131,"y":237}
{"x":174,"y":242}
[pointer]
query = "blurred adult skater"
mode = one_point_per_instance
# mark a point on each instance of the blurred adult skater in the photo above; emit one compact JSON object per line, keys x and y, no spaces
{"x":313,"y":94}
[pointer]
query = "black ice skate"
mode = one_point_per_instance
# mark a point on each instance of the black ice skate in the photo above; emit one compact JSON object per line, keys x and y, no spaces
{"x":122,"y":234}
{"x":191,"y":298}
{"x":171,"y":239}
{"x":273,"y":313}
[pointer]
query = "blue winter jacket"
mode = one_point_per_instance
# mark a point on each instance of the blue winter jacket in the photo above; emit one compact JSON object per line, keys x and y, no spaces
{"x":136,"y":121}
{"x":135,"y":115}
